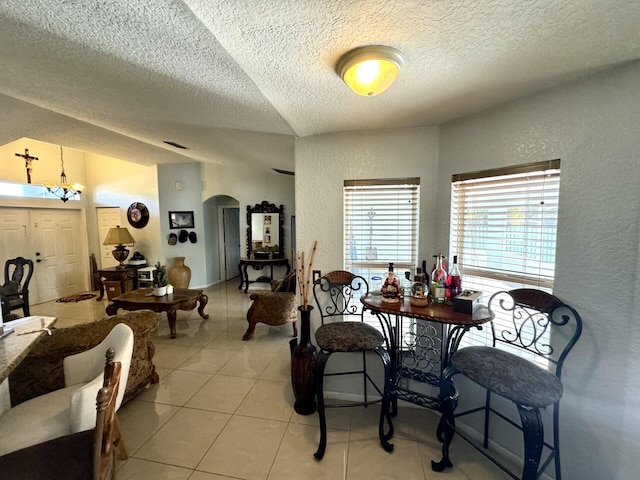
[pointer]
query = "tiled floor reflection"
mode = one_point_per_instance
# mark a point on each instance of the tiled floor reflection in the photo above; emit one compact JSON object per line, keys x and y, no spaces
{"x":224,"y":410}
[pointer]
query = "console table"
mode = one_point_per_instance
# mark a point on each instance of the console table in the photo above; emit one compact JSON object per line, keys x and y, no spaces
{"x":259,"y":264}
{"x":116,"y":281}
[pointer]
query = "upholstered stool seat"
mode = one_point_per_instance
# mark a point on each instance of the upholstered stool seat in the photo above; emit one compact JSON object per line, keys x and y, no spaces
{"x":348,"y":337}
{"x":343,"y":330}
{"x":532,"y":333}
{"x":509,"y":376}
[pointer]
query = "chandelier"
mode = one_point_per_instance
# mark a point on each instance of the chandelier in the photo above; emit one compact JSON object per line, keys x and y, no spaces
{"x":63,"y":190}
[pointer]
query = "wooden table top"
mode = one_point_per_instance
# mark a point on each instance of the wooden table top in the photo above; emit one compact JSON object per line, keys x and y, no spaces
{"x":436,"y":312}
{"x":145,"y":296}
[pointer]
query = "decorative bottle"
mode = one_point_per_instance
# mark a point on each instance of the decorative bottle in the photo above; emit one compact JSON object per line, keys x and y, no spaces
{"x":406,"y":284}
{"x":391,"y":288}
{"x":438,"y":281}
{"x":454,"y":282}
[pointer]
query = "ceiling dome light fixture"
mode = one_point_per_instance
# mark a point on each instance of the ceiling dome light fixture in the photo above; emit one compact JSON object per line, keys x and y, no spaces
{"x":370,"y":70}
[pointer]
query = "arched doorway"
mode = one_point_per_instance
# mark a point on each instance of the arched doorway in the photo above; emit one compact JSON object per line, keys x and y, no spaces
{"x":222,"y":220}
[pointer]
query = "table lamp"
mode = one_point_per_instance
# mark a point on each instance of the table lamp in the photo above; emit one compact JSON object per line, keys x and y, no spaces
{"x":119,"y":236}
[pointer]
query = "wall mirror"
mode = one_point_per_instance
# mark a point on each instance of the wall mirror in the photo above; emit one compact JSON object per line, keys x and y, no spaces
{"x":265,"y":233}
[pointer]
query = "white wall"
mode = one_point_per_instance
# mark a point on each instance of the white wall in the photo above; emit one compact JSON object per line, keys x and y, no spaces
{"x":117,"y":183}
{"x":250,"y":187}
{"x":592,"y":126}
{"x":188,"y":198}
{"x":323,"y":162}
{"x":48,"y":166}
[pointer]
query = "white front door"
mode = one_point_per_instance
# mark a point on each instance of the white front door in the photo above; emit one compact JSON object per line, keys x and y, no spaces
{"x":15,"y":241}
{"x":108,"y":217}
{"x":59,"y":265}
{"x":53,"y":240}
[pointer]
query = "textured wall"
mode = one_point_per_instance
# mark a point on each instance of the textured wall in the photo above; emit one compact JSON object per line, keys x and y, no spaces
{"x":187,"y":199}
{"x":117,"y":183}
{"x":249,"y":187}
{"x":323,"y":162}
{"x":592,"y":126}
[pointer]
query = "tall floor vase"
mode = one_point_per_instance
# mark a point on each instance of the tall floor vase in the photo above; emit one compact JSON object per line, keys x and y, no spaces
{"x":303,"y":366}
{"x":179,"y":273}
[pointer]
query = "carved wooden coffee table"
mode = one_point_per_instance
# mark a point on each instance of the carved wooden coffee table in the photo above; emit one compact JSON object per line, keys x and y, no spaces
{"x":180,"y":299}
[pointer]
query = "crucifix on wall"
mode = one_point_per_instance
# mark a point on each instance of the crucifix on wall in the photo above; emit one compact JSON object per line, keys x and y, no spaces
{"x":27,"y":162}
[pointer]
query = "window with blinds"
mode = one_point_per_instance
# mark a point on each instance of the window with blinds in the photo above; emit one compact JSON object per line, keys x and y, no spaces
{"x":380,"y":226}
{"x":503,"y":229}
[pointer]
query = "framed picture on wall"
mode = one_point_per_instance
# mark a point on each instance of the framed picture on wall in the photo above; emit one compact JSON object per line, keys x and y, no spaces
{"x":181,"y":220}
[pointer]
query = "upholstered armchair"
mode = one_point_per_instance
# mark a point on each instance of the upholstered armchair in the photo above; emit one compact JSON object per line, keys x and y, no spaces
{"x":276,"y":307}
{"x":71,"y":409}
{"x":41,"y":371}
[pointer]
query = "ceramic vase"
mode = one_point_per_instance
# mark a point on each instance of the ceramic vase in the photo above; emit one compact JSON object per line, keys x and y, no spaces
{"x":179,"y":273}
{"x":303,"y":366}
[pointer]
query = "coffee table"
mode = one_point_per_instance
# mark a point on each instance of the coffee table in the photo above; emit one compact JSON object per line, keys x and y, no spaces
{"x":180,"y":299}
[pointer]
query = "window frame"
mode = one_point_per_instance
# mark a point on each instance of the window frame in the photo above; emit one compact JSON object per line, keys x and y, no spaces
{"x":380,"y":196}
{"x":534,"y":182}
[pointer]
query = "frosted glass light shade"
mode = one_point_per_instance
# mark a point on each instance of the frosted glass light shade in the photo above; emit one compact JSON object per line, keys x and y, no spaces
{"x":370,"y":70}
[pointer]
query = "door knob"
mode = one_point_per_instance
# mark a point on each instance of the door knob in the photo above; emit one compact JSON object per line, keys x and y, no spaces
{"x":38,"y":260}
{"x":37,"y":254}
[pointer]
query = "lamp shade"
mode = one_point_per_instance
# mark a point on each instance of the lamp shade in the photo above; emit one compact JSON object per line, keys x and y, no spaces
{"x":118,"y":236}
{"x":370,"y":70}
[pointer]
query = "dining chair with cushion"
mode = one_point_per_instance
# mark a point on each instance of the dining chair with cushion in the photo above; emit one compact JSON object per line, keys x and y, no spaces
{"x":343,"y":330}
{"x":533,"y":332}
{"x":70,"y":409}
{"x":89,"y":454}
{"x":15,"y":290}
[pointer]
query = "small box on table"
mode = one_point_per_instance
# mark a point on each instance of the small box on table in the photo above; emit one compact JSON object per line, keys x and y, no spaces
{"x":467,"y":301}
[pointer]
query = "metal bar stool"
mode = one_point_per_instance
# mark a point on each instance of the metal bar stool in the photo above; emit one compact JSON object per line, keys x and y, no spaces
{"x":533,"y":332}
{"x":343,"y":330}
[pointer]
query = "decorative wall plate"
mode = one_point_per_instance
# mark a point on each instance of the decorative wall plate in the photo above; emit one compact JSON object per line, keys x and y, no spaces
{"x":138,"y":215}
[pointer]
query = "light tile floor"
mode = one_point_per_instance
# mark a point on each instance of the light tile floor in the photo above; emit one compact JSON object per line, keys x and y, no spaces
{"x":223,"y":409}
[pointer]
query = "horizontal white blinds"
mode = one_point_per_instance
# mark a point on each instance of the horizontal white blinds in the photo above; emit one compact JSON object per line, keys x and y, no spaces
{"x":381,"y":224}
{"x":503,"y":227}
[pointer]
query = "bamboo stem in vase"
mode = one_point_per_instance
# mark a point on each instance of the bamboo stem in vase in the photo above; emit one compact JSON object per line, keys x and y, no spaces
{"x":310,"y":269}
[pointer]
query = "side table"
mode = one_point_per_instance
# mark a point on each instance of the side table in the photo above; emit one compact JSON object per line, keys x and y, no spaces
{"x":116,"y":281}
{"x":180,"y":299}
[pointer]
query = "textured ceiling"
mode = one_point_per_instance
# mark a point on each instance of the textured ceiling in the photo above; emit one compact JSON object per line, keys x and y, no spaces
{"x":235,"y":81}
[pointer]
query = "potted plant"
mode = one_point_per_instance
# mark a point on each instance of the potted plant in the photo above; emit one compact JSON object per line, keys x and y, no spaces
{"x":160,"y":280}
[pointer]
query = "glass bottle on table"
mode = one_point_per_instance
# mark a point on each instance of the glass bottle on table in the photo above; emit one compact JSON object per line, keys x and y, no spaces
{"x":438,"y":281}
{"x":454,"y":281}
{"x":391,"y":288}
{"x":406,"y":284}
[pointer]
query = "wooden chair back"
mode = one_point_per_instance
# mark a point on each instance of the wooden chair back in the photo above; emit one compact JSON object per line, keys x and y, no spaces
{"x":107,"y":432}
{"x":17,"y":275}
